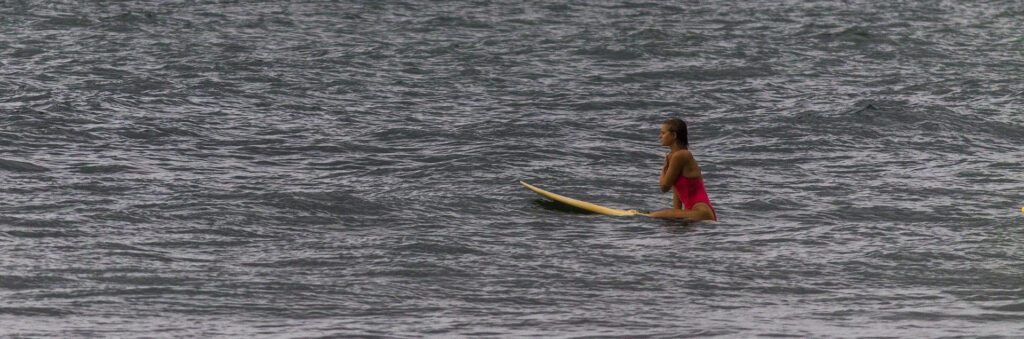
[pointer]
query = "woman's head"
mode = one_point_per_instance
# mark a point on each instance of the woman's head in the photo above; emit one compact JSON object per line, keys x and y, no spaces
{"x":674,"y":130}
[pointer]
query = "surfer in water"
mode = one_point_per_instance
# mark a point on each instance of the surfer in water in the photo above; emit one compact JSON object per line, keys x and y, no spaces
{"x":682,"y":175}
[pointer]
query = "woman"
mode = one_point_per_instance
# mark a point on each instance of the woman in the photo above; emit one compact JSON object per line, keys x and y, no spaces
{"x":682,"y":175}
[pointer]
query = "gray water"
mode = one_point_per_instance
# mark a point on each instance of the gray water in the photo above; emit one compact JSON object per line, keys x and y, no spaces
{"x":351,"y":168}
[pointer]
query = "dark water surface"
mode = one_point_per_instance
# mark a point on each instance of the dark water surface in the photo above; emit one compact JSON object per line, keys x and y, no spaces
{"x":303,"y":169}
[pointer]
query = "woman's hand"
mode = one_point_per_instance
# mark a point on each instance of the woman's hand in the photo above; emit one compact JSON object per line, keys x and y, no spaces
{"x":676,"y":163}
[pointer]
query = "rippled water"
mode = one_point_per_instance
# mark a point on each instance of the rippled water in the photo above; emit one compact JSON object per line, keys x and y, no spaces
{"x":303,"y":169}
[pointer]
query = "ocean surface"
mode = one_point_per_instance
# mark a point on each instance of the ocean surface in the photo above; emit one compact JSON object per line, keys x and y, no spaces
{"x":351,"y":168}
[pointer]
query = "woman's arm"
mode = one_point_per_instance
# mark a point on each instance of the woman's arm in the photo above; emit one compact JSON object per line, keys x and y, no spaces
{"x":675,"y":200}
{"x":675,"y":168}
{"x":664,"y":169}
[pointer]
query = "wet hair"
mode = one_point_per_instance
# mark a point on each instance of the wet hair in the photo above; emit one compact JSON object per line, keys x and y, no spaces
{"x":678,"y":127}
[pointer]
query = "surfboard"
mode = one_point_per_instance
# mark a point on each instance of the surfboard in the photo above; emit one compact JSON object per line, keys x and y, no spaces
{"x":583,"y":204}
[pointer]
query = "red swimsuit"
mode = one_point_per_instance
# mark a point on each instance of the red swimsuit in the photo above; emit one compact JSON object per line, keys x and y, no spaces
{"x":691,"y":191}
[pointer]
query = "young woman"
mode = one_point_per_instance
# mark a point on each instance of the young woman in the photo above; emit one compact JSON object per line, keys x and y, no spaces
{"x":682,"y":175}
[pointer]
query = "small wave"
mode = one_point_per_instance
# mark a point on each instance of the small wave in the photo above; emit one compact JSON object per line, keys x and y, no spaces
{"x":156,"y":291}
{"x":21,"y":166}
{"x":1017,"y":307}
{"x":34,"y":311}
{"x":45,"y":234}
{"x":331,"y":203}
{"x":104,"y":169}
{"x":650,"y":34}
{"x":152,"y":133}
{"x":140,"y":255}
{"x":852,"y":34}
{"x":421,"y":270}
{"x":300,"y":262}
{"x":731,"y":73}
{"x":144,"y":279}
{"x":449,"y":21}
{"x":128,"y":21}
{"x":232,"y":232}
{"x":433,"y":248}
{"x":101,"y":188}
{"x":625,"y":104}
{"x":63,"y":22}
{"x":856,"y":35}
{"x":194,"y":244}
{"x":612,"y":53}
{"x":558,"y":7}
{"x":26,"y":52}
{"x":17,"y":282}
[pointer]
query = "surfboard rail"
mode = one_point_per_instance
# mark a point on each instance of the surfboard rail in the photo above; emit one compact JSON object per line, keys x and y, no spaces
{"x":583,"y":204}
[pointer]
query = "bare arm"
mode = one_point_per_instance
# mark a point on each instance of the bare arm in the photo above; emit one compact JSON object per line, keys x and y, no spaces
{"x":675,"y":200}
{"x":664,"y":171}
{"x":677,"y":161}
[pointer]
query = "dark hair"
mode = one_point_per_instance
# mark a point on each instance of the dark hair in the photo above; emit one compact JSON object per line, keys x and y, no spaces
{"x":678,"y":127}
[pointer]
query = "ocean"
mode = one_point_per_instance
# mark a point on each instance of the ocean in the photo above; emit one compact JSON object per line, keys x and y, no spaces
{"x":296,"y":169}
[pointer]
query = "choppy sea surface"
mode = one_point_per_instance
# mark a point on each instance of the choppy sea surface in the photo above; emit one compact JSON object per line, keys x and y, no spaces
{"x":351,"y":168}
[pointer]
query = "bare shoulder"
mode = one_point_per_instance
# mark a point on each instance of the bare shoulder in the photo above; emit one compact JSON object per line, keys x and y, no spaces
{"x":687,"y":164}
{"x":682,"y":155}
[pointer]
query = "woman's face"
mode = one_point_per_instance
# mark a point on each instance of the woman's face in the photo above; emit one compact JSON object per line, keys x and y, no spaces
{"x":667,"y":138}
